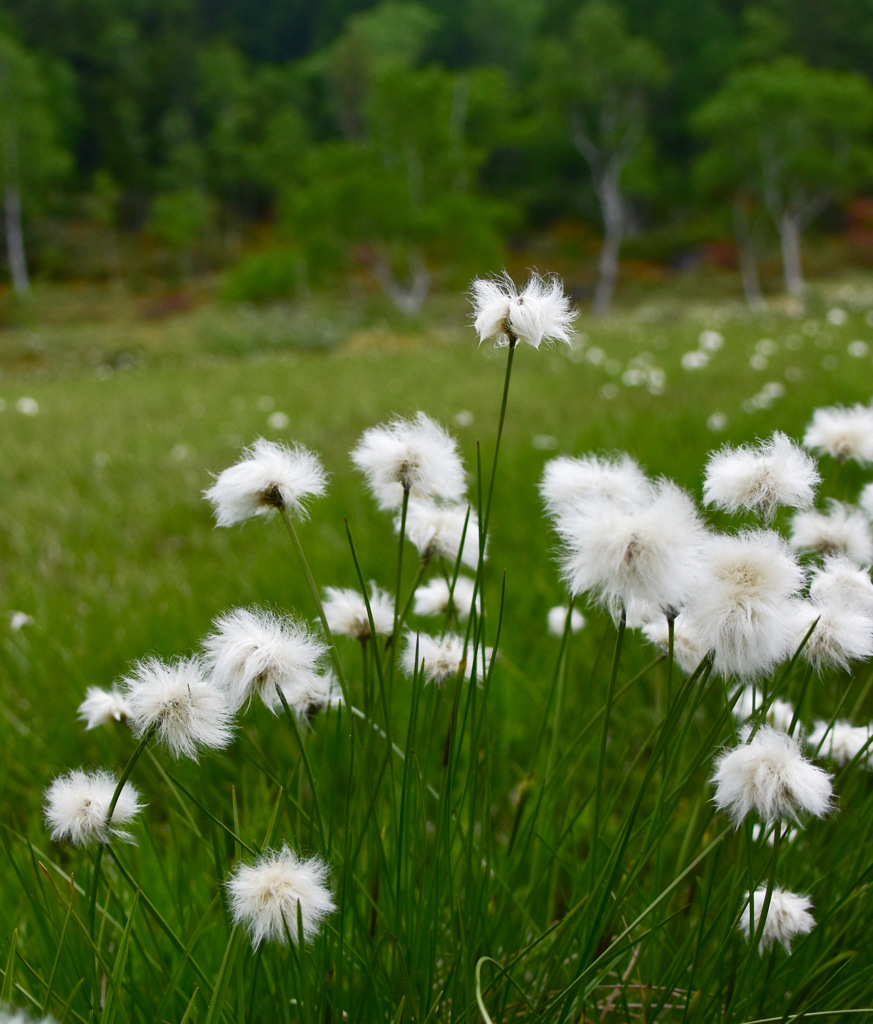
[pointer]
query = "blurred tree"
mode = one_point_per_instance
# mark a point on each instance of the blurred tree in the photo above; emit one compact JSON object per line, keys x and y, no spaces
{"x":397,"y":194}
{"x":792,"y":138}
{"x":600,"y":80}
{"x":32,"y":153}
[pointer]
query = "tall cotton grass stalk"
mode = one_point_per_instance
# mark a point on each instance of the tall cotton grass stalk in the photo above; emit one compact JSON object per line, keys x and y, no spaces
{"x":319,"y":605}
{"x":604,"y":736}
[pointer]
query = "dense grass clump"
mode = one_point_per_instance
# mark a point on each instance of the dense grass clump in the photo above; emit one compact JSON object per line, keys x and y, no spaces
{"x":465,"y":816}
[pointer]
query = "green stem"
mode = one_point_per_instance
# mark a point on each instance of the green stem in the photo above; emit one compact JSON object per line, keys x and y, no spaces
{"x":292,"y":719}
{"x":125,"y":775}
{"x":598,"y":792}
{"x":310,"y":579}
{"x":513,"y":342}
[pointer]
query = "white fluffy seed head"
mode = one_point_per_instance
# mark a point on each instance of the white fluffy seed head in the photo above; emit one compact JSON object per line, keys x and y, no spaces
{"x":437,"y":531}
{"x":437,"y":658}
{"x":841,"y":529}
{"x":842,"y":742}
{"x":566,"y":481}
{"x":432,"y":598}
{"x":744,"y":611}
{"x":77,"y":807}
{"x":652,"y":553}
{"x":842,"y":433}
{"x":265,"y":897}
{"x":186,"y":711}
{"x":101,"y":706}
{"x":252,"y":651}
{"x":841,"y":582}
{"x":346,"y":611}
{"x":840,"y":634}
{"x":769,"y":774}
{"x":787,"y":916}
{"x":269,"y":477}
{"x":417,"y":455}
{"x":775,"y":472}
{"x":540,"y":312}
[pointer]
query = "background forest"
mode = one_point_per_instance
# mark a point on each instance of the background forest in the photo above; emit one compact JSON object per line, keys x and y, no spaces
{"x":402,"y":147}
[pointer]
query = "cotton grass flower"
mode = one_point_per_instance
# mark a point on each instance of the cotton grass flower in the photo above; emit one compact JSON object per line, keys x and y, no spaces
{"x":840,"y":634}
{"x":842,"y":433}
{"x":441,"y":658}
{"x":743,"y":612}
{"x":270,"y":477}
{"x":435,"y":597}
{"x":841,"y":529}
{"x":566,"y":481}
{"x":769,"y":774}
{"x":265,"y":897}
{"x":174,"y":699}
{"x":252,"y":651}
{"x":540,"y":312}
{"x":776,"y":472}
{"x":841,"y":582}
{"x":20,"y":620}
{"x":651,"y":553}
{"x":102,"y":706}
{"x":77,"y":807}
{"x":841,"y":741}
{"x":417,"y":456}
{"x":438,"y":530}
{"x":346,"y":611}
{"x":787,"y":916}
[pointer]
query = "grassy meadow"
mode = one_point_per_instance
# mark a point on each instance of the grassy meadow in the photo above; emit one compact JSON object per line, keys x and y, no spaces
{"x":461,"y":857}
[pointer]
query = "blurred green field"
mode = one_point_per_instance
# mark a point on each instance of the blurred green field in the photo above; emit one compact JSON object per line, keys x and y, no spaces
{"x":106,"y":542}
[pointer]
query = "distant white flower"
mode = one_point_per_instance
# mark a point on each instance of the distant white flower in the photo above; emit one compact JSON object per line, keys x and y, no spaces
{"x":652,"y":552}
{"x":840,"y":529}
{"x":102,"y":706}
{"x":565,"y":481}
{"x":266,"y":897}
{"x":840,"y":635}
{"x":432,"y":598}
{"x":841,"y":741}
{"x":278,"y":420}
{"x":19,"y":620}
{"x":436,"y":531}
{"x":77,"y":806}
{"x":8,"y":1016}
{"x":269,"y":477}
{"x":540,"y":312}
{"x":439,"y":659}
{"x":346,"y":611}
{"x":837,"y":316}
{"x":780,"y":713}
{"x":744,"y":611}
{"x":557,"y":620}
{"x":27,"y":406}
{"x":688,"y":646}
{"x":717,"y":421}
{"x":252,"y":651}
{"x":770,"y":775}
{"x":842,"y":433}
{"x":759,"y":479}
{"x":694,"y":360}
{"x":186,"y":711}
{"x":787,"y":916}
{"x":841,"y":582}
{"x":415,"y":455}
{"x":712,"y":341}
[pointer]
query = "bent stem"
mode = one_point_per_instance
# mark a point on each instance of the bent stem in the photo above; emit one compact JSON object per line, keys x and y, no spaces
{"x":98,"y":860}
